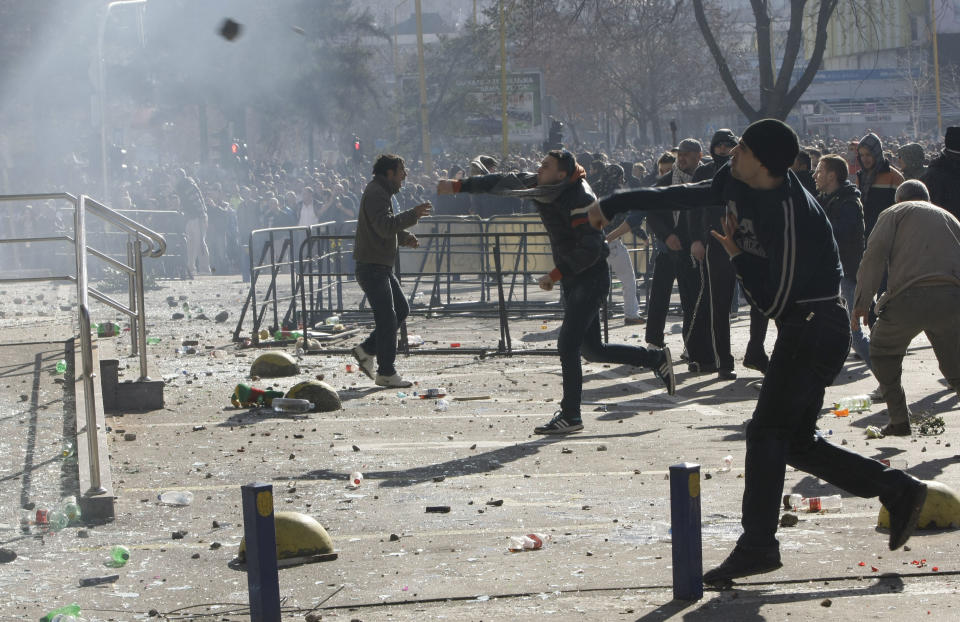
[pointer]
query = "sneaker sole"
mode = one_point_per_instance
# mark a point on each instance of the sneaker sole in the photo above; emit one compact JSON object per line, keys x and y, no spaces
{"x":672,"y":382}
{"x":728,"y":579}
{"x":572,"y":429}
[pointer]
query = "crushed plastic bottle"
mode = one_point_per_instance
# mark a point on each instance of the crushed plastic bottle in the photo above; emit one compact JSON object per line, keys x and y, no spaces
{"x":414,"y":340}
{"x":61,"y":366}
{"x":333,"y":320}
{"x":152,"y":341}
{"x":529,"y":542}
{"x":442,"y":405}
{"x":853,"y":403}
{"x":290,"y":405}
{"x":727,"y":464}
{"x":873,"y":431}
{"x":356,"y":478}
{"x":119,"y":556}
{"x":430,"y":394}
{"x":799,"y":503}
{"x":70,"y":610}
{"x":176,"y":497}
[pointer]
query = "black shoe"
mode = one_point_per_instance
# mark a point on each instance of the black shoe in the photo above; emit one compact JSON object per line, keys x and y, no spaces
{"x":727,"y":374}
{"x":905,"y":513}
{"x":741,"y":563}
{"x":897,"y":429}
{"x":559,"y":425}
{"x":756,"y":361}
{"x":664,"y":371}
{"x":701,"y":368}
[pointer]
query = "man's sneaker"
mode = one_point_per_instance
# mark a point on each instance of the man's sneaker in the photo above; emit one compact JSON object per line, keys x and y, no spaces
{"x":876,"y":395}
{"x":366,"y":361}
{"x":757,"y":361}
{"x":559,"y":425}
{"x":394,"y":381}
{"x":905,"y":513}
{"x":664,"y":371}
{"x":633,"y":321}
{"x":742,"y":563}
{"x":695,"y":367}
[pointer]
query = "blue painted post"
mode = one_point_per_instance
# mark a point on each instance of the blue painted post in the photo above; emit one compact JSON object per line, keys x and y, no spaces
{"x":685,"y":527}
{"x":260,"y":534}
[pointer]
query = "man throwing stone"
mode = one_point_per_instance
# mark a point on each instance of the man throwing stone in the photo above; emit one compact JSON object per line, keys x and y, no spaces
{"x":782,"y":248}
{"x":562,"y":197}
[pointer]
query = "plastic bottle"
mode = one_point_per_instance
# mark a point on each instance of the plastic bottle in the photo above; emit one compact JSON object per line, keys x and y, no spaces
{"x":69,"y":610}
{"x":57,"y":520}
{"x":333,"y":320}
{"x":152,"y":341}
{"x":71,"y":509}
{"x":176,"y":497}
{"x":529,"y":542}
{"x":290,"y":405}
{"x":186,"y":309}
{"x":793,"y":501}
{"x":61,"y":366}
{"x":430,"y":394}
{"x":68,"y":450}
{"x":854,"y":403}
{"x":414,"y":340}
{"x":442,"y":405}
{"x":833,"y":503}
{"x":356,"y":478}
{"x":119,"y":556}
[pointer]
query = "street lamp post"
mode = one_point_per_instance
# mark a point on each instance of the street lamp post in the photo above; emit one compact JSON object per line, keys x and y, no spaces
{"x":424,"y":113}
{"x":101,"y":91}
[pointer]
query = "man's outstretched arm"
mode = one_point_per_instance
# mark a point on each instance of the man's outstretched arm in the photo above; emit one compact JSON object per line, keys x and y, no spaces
{"x":682,"y":197}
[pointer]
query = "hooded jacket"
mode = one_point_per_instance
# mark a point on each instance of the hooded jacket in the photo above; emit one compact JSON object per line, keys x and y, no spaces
{"x":943,"y":181}
{"x":879,"y":189}
{"x":845,"y":212}
{"x":576,"y":246}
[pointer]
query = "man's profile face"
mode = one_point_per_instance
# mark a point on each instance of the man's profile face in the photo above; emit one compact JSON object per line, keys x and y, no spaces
{"x":722,"y":150}
{"x":549,"y":172}
{"x":395,"y":177}
{"x":744,"y":165}
{"x":866,"y":158}
{"x":823,"y":178}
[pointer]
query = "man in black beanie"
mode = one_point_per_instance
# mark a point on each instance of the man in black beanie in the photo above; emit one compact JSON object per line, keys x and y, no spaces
{"x":782,"y":248}
{"x":943,"y":175}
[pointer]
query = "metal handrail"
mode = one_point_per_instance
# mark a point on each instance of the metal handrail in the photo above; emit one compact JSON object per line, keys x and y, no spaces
{"x":142,"y":236}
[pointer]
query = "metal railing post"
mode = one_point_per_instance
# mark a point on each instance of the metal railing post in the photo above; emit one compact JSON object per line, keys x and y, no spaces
{"x":141,"y":318}
{"x":132,"y":280}
{"x":86,"y":350}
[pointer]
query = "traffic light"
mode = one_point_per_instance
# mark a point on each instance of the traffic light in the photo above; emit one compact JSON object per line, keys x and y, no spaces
{"x":234,"y":148}
{"x":357,"y":153}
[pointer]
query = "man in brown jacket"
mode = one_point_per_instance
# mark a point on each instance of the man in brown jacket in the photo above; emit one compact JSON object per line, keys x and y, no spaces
{"x":379,"y":233}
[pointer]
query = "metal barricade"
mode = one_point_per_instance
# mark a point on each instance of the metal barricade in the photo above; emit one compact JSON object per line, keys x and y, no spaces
{"x":140,"y":241}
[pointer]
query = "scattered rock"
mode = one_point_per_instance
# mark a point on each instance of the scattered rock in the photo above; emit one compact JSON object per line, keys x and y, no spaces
{"x":7,"y":556}
{"x":789,"y":520}
{"x":177,"y":316}
{"x":215,"y":545}
{"x":130,"y":436}
{"x":707,"y":476}
{"x":439,"y":478}
{"x":195,"y":556}
{"x":355,"y":448}
{"x":221,"y":317}
{"x":602,"y":448}
{"x":312,"y":617}
{"x":826,"y":602}
{"x":178,"y":535}
{"x":394,"y":537}
{"x":495,"y":502}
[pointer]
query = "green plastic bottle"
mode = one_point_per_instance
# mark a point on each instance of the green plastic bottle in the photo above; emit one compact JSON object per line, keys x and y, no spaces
{"x":69,"y":610}
{"x":61,"y":366}
{"x":71,"y":509}
{"x":57,"y":520}
{"x":152,"y":341}
{"x":119,"y":555}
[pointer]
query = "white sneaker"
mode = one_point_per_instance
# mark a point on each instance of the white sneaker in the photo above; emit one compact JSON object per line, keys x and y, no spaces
{"x":366,"y":361}
{"x":394,"y":381}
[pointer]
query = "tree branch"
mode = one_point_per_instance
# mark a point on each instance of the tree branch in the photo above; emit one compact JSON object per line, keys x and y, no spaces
{"x":790,"y":100}
{"x":749,"y":111}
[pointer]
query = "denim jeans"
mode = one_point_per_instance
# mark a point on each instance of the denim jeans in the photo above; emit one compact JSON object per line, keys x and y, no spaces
{"x":580,"y":335}
{"x":390,"y":308}
{"x":813,"y":341}
{"x":861,"y":341}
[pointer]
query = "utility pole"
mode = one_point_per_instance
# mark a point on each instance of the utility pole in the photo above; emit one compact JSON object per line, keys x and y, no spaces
{"x":505,"y":148}
{"x":424,"y":115}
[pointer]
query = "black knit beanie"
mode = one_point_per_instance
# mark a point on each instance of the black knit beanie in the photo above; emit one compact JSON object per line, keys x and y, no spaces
{"x":774,"y":143}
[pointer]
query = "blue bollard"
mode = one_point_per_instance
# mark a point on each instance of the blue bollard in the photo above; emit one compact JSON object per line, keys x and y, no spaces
{"x":263,"y":582}
{"x":685,"y":527}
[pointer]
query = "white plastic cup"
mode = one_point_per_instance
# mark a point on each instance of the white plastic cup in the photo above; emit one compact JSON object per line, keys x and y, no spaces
{"x":356,"y":478}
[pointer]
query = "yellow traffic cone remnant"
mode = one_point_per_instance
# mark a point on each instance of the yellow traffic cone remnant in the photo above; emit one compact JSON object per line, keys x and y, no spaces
{"x":940,"y":511}
{"x":300,"y":538}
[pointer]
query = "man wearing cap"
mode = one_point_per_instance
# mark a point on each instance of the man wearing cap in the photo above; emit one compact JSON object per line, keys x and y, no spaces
{"x":679,"y":257}
{"x":782,"y":248}
{"x":876,"y":179}
{"x":562,"y":196}
{"x":943,"y":175}
{"x":911,"y":160}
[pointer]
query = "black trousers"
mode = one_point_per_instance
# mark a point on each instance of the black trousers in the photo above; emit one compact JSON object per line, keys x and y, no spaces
{"x":812,"y":344}
{"x":679,"y":266}
{"x":721,"y":278}
{"x":580,"y":334}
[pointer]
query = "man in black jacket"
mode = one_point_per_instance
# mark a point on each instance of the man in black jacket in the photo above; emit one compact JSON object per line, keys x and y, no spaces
{"x":781,"y":245}
{"x":943,"y":175}
{"x":840,"y":200}
{"x":679,"y":256}
{"x":562,"y":197}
